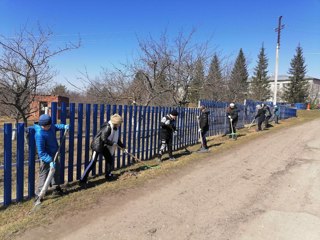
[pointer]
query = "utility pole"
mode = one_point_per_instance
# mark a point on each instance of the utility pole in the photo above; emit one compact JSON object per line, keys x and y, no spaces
{"x":278,"y":29}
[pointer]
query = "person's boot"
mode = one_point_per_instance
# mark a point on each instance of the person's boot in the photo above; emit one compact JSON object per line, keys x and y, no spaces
{"x":110,"y":177}
{"x":159,"y":157}
{"x":58,"y":191}
{"x":82,"y":183}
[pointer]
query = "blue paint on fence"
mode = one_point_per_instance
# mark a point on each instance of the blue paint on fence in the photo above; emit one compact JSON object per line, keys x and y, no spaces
{"x":94,"y":130}
{"x":79,"y":140}
{"x":7,"y":163}
{"x":63,"y":118}
{"x":31,"y":162}
{"x":87,"y":135}
{"x":20,"y":162}
{"x":72,"y":111}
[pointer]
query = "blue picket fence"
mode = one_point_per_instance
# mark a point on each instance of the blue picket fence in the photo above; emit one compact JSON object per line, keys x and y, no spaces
{"x":139,"y":133}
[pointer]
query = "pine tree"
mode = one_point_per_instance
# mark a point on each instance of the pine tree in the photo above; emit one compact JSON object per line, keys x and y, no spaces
{"x":260,"y":87}
{"x":197,"y":82}
{"x":297,"y":89}
{"x":238,"y":83}
{"x":215,"y":87}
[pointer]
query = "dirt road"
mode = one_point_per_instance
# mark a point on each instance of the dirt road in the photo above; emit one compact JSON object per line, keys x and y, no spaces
{"x":268,"y":188}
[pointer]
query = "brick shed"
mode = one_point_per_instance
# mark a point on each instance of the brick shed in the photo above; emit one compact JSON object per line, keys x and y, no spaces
{"x":42,"y":101}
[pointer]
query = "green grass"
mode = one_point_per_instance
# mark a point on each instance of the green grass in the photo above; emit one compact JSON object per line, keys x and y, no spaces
{"x":18,"y":217}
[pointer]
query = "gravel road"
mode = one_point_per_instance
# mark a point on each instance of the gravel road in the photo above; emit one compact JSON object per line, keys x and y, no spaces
{"x":268,"y":188}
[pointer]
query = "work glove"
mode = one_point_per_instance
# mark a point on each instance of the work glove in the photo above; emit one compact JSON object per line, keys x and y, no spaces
{"x":199,"y":130}
{"x":52,"y":164}
{"x":198,"y":117}
{"x":66,"y":127}
{"x":125,"y":151}
{"x":229,"y":116}
{"x":175,"y":133}
{"x":167,"y":122}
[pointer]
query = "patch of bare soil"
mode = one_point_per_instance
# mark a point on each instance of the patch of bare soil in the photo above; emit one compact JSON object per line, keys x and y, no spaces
{"x":267,"y":188}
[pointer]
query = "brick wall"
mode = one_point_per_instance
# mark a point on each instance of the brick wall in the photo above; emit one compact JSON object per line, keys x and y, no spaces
{"x":42,"y":101}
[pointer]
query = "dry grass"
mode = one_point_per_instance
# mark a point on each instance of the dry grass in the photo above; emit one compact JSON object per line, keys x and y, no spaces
{"x":18,"y":217}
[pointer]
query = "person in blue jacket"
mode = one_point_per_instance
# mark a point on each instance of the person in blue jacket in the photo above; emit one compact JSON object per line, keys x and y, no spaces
{"x":47,"y":146}
{"x":276,"y":113}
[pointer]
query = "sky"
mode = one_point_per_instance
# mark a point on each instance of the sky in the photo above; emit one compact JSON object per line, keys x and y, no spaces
{"x":109,"y":30}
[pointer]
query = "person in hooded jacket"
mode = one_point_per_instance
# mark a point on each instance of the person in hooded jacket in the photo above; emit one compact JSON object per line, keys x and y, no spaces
{"x":268,"y":115}
{"x":167,"y":130}
{"x":260,"y":115}
{"x":276,"y":113}
{"x":232,"y":114}
{"x":203,"y":127}
{"x":47,"y":146}
{"x":105,"y":142}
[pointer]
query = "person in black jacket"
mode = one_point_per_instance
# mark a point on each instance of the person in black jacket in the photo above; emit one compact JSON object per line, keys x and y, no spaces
{"x":105,"y":142}
{"x":203,"y":127}
{"x":232,"y":114}
{"x":167,"y":130}
{"x":260,"y":115}
{"x":268,"y":115}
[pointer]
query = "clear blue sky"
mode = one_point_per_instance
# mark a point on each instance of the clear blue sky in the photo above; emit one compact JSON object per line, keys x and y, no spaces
{"x":109,"y":29}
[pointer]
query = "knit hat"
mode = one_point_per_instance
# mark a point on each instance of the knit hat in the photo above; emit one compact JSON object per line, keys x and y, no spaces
{"x":174,"y":112}
{"x":116,"y":119}
{"x":44,"y":120}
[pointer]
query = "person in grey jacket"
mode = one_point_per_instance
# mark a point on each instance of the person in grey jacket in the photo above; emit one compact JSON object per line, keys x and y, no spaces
{"x":105,"y":142}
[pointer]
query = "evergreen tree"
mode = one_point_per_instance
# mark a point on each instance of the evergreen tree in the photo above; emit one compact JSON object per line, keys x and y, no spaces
{"x":297,"y":89}
{"x":238,"y":83}
{"x":260,"y":87}
{"x":214,"y":88}
{"x":197,"y":82}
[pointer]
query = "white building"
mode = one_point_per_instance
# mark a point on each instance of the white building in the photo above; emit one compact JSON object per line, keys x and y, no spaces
{"x":283,"y":81}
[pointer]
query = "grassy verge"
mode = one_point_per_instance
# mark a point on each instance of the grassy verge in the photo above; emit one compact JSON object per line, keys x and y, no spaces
{"x":19,"y":217}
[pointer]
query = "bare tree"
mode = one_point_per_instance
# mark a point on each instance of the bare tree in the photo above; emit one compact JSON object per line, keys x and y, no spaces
{"x":24,"y":68}
{"x":167,"y":69}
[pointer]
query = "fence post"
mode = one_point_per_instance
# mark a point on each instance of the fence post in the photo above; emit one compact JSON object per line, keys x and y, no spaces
{"x":7,"y":164}
{"x":79,"y":139}
{"x":120,"y":130}
{"x":94,"y":130}
{"x":71,"y":141}
{"x":20,"y":161}
{"x":102,"y":111}
{"x":87,"y":135}
{"x":31,"y":162}
{"x":63,"y":118}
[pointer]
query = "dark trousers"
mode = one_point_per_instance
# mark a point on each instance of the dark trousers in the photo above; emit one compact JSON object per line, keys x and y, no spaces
{"x":109,"y":164}
{"x":266,"y":121}
{"x":204,"y":139}
{"x":260,"y":121}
